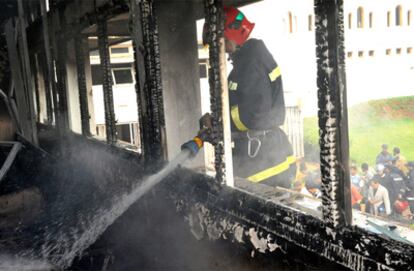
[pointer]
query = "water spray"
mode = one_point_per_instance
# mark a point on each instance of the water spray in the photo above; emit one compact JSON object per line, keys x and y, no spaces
{"x":71,"y":243}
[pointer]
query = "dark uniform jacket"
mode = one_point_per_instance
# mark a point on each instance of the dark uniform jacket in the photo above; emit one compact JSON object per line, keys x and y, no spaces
{"x":257,"y":104}
{"x":255,"y":87}
{"x":410,"y":189}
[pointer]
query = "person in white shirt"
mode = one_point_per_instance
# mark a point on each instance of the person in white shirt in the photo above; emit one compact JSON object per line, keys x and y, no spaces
{"x":378,"y":198}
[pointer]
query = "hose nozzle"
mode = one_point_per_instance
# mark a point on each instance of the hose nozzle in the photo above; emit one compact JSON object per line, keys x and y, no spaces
{"x":193,"y":145}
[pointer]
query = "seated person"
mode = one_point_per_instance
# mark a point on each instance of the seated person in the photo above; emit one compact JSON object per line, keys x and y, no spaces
{"x":356,"y":197}
{"x":378,"y":198}
{"x":355,"y":179}
{"x":401,"y":207}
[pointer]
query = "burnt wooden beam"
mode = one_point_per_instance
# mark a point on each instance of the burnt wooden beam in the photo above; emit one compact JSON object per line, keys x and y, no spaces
{"x":27,"y":73}
{"x":35,"y":68}
{"x":144,"y":33}
{"x":81,"y":74}
{"x":215,"y":27}
{"x":23,"y":114}
{"x":137,"y":43}
{"x":50,"y":82}
{"x":59,"y":40}
{"x":83,"y":91}
{"x":333,"y":119}
{"x":105,"y":60}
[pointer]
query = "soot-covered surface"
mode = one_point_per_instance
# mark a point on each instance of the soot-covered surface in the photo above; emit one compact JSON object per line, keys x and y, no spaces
{"x":152,"y":236}
{"x":186,"y":223}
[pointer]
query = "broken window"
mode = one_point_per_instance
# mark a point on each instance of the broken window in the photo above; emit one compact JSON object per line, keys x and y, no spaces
{"x":280,"y":156}
{"x":112,"y":90}
{"x":380,"y":137}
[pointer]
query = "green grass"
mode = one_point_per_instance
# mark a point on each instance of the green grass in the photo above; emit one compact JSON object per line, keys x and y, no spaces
{"x":373,"y":123}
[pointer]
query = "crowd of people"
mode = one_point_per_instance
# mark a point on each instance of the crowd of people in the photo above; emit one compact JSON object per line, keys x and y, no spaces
{"x":386,"y":189}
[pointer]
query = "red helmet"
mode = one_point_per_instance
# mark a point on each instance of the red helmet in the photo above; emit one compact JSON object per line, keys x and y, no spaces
{"x":236,"y":27}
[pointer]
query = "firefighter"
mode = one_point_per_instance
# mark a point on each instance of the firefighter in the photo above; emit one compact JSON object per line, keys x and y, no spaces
{"x":262,"y":152}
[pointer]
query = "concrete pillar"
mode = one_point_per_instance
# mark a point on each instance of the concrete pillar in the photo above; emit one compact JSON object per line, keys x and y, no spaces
{"x":72,"y":90}
{"x":180,"y":75}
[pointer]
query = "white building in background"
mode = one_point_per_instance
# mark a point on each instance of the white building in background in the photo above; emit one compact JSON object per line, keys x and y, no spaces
{"x":379,"y":37}
{"x":124,"y":95}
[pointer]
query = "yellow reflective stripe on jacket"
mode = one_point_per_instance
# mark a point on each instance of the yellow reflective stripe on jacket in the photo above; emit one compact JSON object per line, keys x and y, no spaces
{"x":236,"y":118}
{"x":274,"y":74}
{"x":273,"y":171}
{"x":232,"y":85}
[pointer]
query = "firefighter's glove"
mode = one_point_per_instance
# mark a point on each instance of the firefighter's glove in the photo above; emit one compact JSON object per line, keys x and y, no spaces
{"x":206,"y":127}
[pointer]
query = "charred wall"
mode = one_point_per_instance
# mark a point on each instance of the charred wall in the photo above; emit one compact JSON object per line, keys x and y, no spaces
{"x":225,"y":221}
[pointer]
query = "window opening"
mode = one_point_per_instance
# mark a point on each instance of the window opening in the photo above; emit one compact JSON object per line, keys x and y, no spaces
{"x":123,"y":91}
{"x":124,"y":133}
{"x":96,"y":75}
{"x":349,"y":20}
{"x":389,"y":18}
{"x":371,"y":18}
{"x":119,"y":50}
{"x":360,"y":17}
{"x":203,"y":70}
{"x":398,"y":16}
{"x":371,"y":53}
{"x":94,"y":53}
{"x":290,"y":22}
{"x":122,"y":76}
{"x":398,"y":51}
{"x":349,"y":54}
{"x":409,"y":50}
{"x":388,"y":52}
{"x":360,"y":53}
{"x":310,"y":23}
{"x":409,"y":17}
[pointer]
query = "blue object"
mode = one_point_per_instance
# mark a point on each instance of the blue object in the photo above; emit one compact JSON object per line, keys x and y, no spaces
{"x":192,"y":146}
